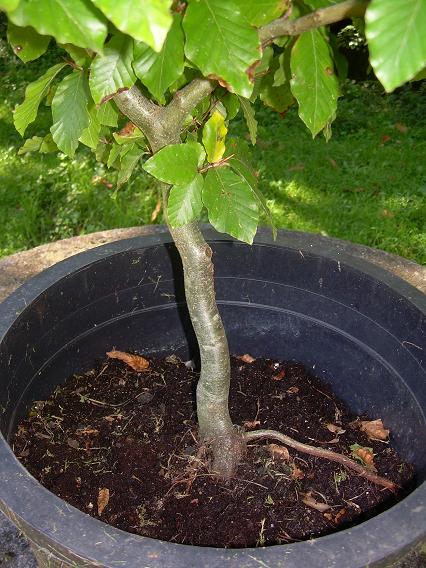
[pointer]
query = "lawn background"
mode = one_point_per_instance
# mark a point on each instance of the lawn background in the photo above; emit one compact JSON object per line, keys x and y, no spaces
{"x":366,"y":185}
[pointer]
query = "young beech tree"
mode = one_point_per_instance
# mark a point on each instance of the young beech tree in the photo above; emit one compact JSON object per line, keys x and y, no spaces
{"x":157,"y":82}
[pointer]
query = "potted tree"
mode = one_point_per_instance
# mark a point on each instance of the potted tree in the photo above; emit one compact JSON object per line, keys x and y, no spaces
{"x":179,"y":72}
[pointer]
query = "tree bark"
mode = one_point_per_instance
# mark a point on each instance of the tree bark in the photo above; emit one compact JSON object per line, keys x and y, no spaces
{"x":162,"y":126}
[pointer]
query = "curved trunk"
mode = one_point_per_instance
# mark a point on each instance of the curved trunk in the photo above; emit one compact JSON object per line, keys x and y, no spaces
{"x":162,"y":126}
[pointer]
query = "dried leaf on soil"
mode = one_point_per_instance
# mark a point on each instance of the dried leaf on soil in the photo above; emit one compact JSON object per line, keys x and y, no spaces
{"x":335,"y":429}
{"x":279,"y":376}
{"x":136,"y":362}
{"x":246,"y":358}
{"x":337,"y":518}
{"x":279,"y":452}
{"x":374,"y":429}
{"x":313,"y":503}
{"x":103,"y":498}
{"x":363,"y":455}
{"x":87,"y":432}
{"x":296,"y":472}
{"x":73,"y":443}
{"x":251,"y":425}
{"x":292,"y":390}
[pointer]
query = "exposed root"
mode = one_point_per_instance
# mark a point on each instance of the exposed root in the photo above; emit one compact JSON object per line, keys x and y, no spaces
{"x":321,"y":453}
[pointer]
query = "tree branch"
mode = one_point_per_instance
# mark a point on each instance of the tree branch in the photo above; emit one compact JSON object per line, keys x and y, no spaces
{"x":188,"y":97}
{"x":321,"y":453}
{"x":321,"y":17}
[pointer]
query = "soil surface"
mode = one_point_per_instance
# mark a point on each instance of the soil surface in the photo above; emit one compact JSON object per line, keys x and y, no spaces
{"x":121,"y":446}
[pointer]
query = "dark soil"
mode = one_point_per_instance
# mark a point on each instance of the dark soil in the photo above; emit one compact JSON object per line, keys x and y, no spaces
{"x":126,"y":441}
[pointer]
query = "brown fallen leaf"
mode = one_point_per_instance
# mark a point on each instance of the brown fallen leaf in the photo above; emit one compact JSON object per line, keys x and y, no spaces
{"x":337,"y":518}
{"x":279,"y":452}
{"x":251,"y":425}
{"x":87,"y":432}
{"x":103,"y":498}
{"x":374,"y":429}
{"x":246,"y":358}
{"x":308,"y":500}
{"x":279,"y":376}
{"x":363,"y":455}
{"x":334,"y":428}
{"x":385,"y":138}
{"x":136,"y":362}
{"x":388,"y":214}
{"x":296,"y":473}
{"x":292,"y":390}
{"x":73,"y":443}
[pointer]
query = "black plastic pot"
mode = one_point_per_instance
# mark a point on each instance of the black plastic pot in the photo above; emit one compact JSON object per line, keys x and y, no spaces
{"x":356,"y":325}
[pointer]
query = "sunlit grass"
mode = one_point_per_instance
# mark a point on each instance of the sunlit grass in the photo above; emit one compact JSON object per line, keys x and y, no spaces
{"x":367,"y":185}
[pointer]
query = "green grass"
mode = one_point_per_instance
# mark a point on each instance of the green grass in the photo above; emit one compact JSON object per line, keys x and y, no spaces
{"x":359,"y":186}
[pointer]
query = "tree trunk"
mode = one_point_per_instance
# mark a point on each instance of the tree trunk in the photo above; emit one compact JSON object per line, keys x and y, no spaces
{"x":161,"y":125}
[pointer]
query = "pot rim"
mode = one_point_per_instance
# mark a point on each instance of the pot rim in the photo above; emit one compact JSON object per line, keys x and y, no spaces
{"x":23,"y":498}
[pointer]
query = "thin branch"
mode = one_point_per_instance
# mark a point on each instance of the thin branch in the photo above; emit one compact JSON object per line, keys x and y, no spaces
{"x":321,"y":453}
{"x":321,"y":17}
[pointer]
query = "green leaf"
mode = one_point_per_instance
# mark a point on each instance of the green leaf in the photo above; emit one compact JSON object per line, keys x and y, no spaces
{"x":69,"y":112}
{"x":68,"y":21}
{"x":314,"y":83}
{"x":185,"y":202}
{"x":260,"y":12}
{"x":397,"y":40}
{"x":48,"y":145}
{"x":221,"y":43}
{"x":131,"y":135}
{"x":278,"y":97}
{"x":176,"y":164}
{"x":90,"y":135}
{"x":79,"y":55}
{"x":231,"y":103}
{"x":144,"y":20}
{"x":241,"y":164}
{"x":113,"y":154}
{"x":130,"y":156}
{"x":231,"y":205}
{"x":26,"y":43}
{"x":158,"y":71}
{"x":31,"y":145}
{"x":112,"y":71}
{"x":26,"y":112}
{"x":107,"y":114}
{"x":9,"y":5}
{"x":214,"y":133}
{"x":251,"y":121}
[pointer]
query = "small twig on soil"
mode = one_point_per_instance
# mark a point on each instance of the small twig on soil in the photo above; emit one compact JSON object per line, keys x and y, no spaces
{"x":321,"y":453}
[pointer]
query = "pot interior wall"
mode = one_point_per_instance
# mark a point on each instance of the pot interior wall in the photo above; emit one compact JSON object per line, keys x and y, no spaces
{"x":350,"y":328}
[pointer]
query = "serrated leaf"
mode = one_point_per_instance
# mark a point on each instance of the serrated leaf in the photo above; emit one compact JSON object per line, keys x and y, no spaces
{"x":30,"y":145}
{"x":112,"y":71}
{"x":251,"y":121}
{"x":176,"y":164}
{"x":397,"y":40}
{"x":241,"y":164}
{"x":314,"y":83}
{"x":231,"y":205}
{"x":185,"y":202}
{"x":130,"y":156}
{"x":260,"y":12}
{"x":70,"y":112}
{"x":26,"y":112}
{"x":158,"y":71}
{"x":90,"y":135}
{"x":108,"y":114}
{"x":144,"y":20}
{"x":26,"y":43}
{"x":221,"y":43}
{"x":68,"y":21}
{"x":214,"y":133}
{"x":113,"y":154}
{"x":9,"y":5}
